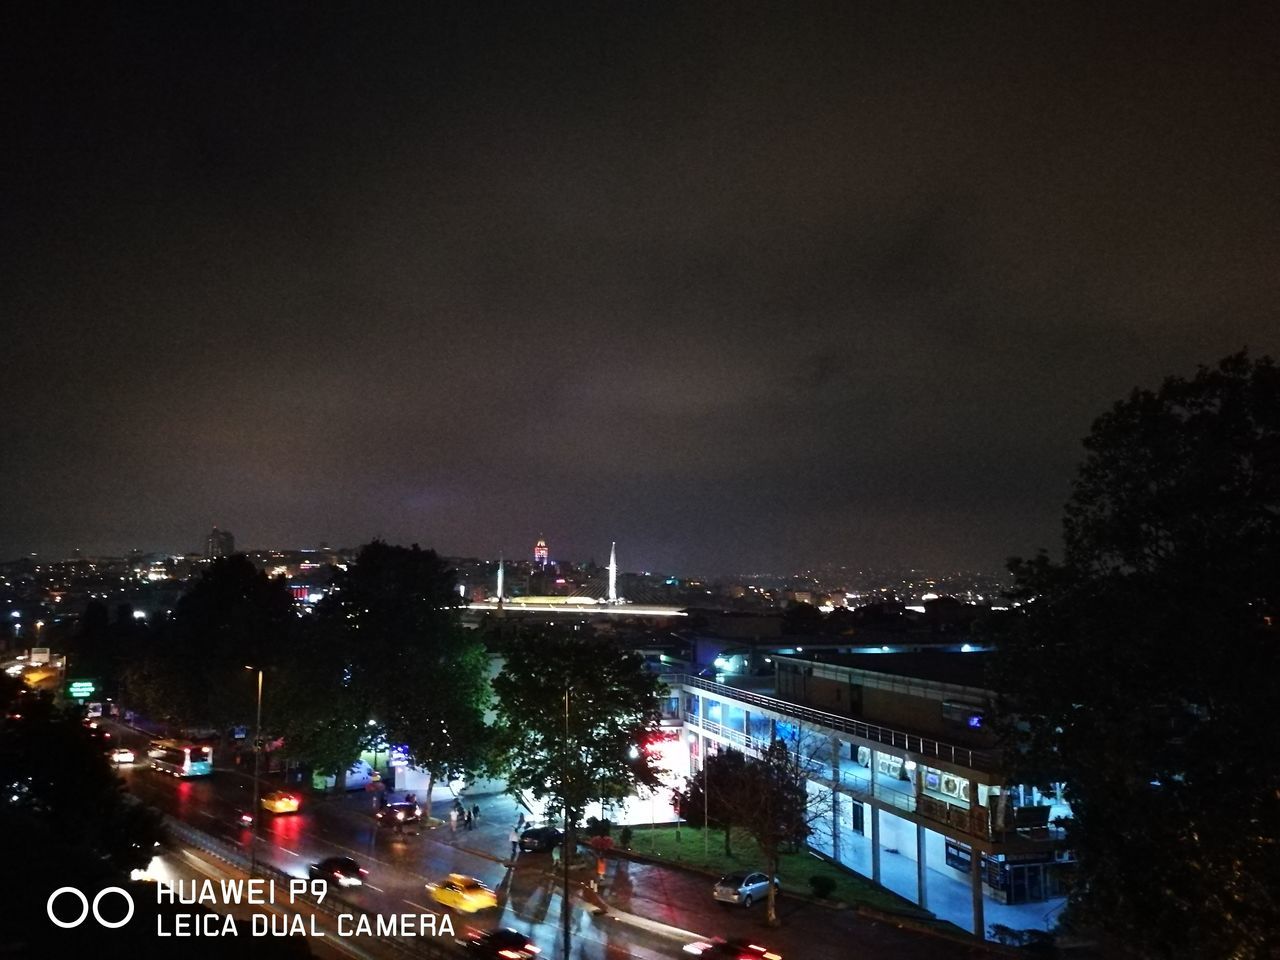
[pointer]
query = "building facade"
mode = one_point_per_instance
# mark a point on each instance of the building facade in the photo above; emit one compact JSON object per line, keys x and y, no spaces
{"x":912,"y":788}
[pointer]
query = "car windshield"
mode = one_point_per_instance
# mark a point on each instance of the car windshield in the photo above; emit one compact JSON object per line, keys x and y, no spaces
{"x":734,"y":879}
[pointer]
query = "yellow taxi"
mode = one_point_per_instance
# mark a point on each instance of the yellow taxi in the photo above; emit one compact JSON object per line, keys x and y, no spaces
{"x":462,"y":893}
{"x":280,"y":801}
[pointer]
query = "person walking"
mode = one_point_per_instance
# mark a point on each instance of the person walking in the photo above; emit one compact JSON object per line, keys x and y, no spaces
{"x":520,"y":821}
{"x":475,"y":812}
{"x":468,"y":821}
{"x":453,"y":820}
{"x":515,"y":843}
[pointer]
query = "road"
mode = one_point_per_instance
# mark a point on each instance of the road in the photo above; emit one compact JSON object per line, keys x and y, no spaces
{"x":658,"y":909}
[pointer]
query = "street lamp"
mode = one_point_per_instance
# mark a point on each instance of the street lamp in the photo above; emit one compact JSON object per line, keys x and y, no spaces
{"x":257,"y":760}
{"x":569,"y":848}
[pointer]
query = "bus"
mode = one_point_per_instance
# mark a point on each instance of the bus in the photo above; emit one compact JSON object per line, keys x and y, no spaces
{"x":181,"y":759}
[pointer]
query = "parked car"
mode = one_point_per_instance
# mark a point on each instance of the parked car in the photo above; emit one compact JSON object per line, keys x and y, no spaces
{"x":730,"y":950}
{"x":743,"y":888}
{"x":540,"y":838}
{"x":340,"y":870}
{"x":462,"y":893}
{"x":502,"y":943}
{"x":281,"y":801}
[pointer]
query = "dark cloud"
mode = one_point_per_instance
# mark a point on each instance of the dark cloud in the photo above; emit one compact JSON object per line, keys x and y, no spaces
{"x":735,"y":287}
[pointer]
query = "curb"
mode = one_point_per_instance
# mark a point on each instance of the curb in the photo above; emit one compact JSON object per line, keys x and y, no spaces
{"x":689,"y":868}
{"x":602,"y":907}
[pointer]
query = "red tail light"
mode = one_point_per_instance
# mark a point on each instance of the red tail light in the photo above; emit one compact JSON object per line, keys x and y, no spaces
{"x":364,"y":872}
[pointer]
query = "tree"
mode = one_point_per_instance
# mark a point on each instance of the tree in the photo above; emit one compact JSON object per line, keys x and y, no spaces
{"x":1143,"y":667}
{"x":767,"y":798}
{"x":574,"y":715}
{"x":65,"y":817}
{"x":312,"y":703}
{"x":704,"y":794}
{"x":390,"y":636}
{"x":193,"y":667}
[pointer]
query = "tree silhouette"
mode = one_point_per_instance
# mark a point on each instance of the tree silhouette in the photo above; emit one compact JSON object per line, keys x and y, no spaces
{"x":1143,"y":668}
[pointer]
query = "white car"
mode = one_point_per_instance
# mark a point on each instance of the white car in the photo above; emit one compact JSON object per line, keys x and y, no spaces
{"x":122,"y":755}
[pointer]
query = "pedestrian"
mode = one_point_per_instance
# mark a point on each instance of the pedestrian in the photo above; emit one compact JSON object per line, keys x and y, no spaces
{"x":475,"y":811}
{"x":453,"y":820}
{"x":520,"y":822}
{"x":555,"y":857}
{"x":468,"y":821}
{"x":515,"y":843}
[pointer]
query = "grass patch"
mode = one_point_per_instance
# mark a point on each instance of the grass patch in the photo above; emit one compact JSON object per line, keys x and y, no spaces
{"x":686,"y":847}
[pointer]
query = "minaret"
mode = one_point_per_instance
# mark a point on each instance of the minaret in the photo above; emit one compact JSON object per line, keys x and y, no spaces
{"x":613,"y":572}
{"x":499,"y":578}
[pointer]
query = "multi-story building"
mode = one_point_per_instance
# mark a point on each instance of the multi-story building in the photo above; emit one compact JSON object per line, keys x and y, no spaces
{"x":912,"y":788}
{"x":219,"y":543}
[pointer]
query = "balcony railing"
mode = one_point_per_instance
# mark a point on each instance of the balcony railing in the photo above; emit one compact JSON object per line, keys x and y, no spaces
{"x":907,"y":742}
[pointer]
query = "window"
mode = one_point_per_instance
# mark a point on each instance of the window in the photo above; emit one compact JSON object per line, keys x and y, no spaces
{"x":959,"y":856}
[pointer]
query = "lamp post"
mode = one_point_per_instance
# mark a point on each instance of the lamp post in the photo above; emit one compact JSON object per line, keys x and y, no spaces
{"x":568,"y":826}
{"x":257,"y":760}
{"x":706,"y":804}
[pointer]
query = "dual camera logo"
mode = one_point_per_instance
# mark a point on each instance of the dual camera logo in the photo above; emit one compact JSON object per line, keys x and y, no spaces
{"x":86,"y":907}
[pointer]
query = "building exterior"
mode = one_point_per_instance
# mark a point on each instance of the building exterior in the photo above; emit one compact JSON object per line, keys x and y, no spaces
{"x":219,"y":543}
{"x":540,"y":554}
{"x":911,"y":785}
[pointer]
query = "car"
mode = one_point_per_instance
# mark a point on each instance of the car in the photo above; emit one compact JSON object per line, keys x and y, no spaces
{"x":281,"y":801}
{"x":340,"y":870}
{"x":123,"y":755}
{"x":540,"y":838}
{"x":502,"y":943}
{"x":743,"y":888}
{"x":243,"y":817}
{"x":462,"y":893}
{"x":399,"y":815}
{"x":730,"y":950}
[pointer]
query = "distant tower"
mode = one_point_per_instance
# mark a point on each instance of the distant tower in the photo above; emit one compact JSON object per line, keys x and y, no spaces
{"x":499,"y":578}
{"x":219,"y":543}
{"x":613,"y":572}
{"x":540,"y":552}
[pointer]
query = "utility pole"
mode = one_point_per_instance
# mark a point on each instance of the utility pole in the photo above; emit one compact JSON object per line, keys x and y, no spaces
{"x":569,"y":845}
{"x":257,"y":759}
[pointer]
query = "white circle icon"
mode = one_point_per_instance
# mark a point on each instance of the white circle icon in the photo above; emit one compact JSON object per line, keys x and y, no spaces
{"x":85,"y":908}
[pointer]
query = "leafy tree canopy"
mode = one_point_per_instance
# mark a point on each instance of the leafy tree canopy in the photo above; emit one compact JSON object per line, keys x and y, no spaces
{"x":1145,"y":667}
{"x":597,"y":754}
{"x":388,"y":638}
{"x":705,"y":794}
{"x":193,"y":667}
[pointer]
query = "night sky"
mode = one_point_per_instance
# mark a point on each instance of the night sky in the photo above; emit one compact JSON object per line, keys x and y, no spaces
{"x":740,"y":286}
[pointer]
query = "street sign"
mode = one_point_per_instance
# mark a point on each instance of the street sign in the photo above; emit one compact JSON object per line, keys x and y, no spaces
{"x":81,"y":689}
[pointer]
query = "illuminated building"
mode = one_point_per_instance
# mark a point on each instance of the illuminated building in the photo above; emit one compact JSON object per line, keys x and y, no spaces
{"x":540,"y":552}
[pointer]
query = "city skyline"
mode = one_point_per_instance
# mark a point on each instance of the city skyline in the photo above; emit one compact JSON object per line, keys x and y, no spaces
{"x":738,"y":291}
